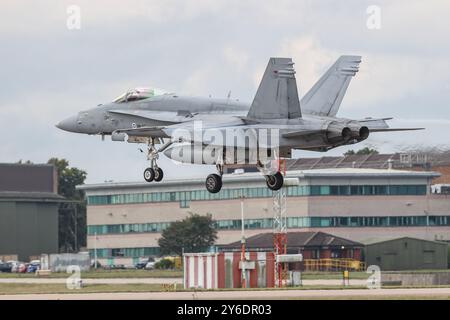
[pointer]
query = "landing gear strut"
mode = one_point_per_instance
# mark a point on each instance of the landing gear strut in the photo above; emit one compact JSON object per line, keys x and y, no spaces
{"x":154,"y":173}
{"x":275,"y":180}
{"x":214,"y":181}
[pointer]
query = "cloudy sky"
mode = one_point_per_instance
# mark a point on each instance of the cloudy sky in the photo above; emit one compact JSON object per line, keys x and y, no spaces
{"x":201,"y":47}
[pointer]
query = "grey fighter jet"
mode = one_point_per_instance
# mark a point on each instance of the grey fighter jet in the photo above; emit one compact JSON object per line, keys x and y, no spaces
{"x":229,"y":133}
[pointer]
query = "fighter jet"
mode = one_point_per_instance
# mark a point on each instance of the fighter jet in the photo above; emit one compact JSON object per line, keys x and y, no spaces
{"x":230,"y":133}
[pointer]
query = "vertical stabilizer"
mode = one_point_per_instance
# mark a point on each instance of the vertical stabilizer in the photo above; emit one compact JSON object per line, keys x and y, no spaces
{"x":325,"y":97}
{"x":277,"y":96}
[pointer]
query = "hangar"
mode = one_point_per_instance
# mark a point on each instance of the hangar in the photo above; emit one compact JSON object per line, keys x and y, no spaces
{"x":28,"y":210}
{"x":407,"y":254}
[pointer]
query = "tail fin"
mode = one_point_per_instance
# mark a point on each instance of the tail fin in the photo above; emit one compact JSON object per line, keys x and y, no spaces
{"x":277,"y":96}
{"x":325,"y":97}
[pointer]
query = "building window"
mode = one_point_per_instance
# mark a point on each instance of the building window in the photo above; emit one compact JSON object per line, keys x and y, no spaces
{"x":263,"y":192}
{"x":185,"y":203}
{"x":292,"y":222}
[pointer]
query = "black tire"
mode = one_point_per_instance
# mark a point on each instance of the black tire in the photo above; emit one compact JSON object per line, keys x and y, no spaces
{"x":159,"y":174}
{"x":275,"y":181}
{"x":149,"y":174}
{"x":213,"y":183}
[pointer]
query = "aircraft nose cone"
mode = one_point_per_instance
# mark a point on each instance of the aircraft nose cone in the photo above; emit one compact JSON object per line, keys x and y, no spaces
{"x":69,"y":124}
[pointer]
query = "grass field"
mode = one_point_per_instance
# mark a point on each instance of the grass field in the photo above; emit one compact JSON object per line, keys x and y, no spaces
{"x":133,"y":273}
{"x":169,"y":274}
{"x":25,"y":288}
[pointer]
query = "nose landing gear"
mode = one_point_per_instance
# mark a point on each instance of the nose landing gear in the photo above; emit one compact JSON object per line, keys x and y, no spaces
{"x":149,"y":174}
{"x":154,"y":173}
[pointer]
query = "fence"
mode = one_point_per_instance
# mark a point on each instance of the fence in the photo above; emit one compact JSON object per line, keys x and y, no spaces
{"x":333,"y":265}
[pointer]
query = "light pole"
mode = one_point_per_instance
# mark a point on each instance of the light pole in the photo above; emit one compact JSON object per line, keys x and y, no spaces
{"x":95,"y":250}
{"x":244,"y":276}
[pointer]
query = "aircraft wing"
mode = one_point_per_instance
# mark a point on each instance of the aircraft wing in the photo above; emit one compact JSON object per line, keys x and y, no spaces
{"x":198,"y":129}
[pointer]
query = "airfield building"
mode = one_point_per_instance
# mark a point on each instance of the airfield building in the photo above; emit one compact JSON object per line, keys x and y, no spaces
{"x":125,"y":220}
{"x":28,"y":210}
{"x":407,"y":254}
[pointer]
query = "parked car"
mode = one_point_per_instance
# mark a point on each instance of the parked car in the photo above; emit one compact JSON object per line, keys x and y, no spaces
{"x":99,"y":265}
{"x":22,"y":267}
{"x":34,"y":266}
{"x":14,"y":265}
{"x":5,"y":267}
{"x":142,"y":264}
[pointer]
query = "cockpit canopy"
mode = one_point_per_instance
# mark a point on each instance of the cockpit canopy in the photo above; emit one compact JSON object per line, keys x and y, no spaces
{"x":140,"y":94}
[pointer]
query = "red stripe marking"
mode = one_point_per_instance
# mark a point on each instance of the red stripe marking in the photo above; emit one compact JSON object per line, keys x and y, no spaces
{"x":221,"y":270}
{"x":213,"y":271}
{"x":186,"y":274}
{"x":205,"y":272}
{"x":237,"y":274}
{"x":270,"y":267}
{"x":196,"y":271}
{"x":254,"y":272}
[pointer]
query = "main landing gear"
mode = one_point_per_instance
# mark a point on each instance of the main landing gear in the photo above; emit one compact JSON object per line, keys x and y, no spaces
{"x":213,"y":182}
{"x":274,"y":181}
{"x":154,"y":173}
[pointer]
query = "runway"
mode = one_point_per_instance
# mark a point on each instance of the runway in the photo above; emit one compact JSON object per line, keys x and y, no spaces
{"x":418,"y":293}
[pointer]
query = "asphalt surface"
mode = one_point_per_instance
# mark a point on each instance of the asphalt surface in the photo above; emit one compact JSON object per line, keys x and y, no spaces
{"x":245,"y":295}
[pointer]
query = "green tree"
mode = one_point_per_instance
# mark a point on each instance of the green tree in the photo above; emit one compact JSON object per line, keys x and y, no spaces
{"x":365,"y":150}
{"x":72,"y":214}
{"x":195,"y":233}
{"x":349,"y":152}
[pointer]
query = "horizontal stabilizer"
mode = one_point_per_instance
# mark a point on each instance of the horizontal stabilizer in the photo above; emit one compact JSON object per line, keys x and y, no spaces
{"x":394,"y":129}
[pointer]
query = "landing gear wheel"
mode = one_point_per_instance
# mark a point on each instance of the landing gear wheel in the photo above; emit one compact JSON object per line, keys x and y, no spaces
{"x":275,"y":181}
{"x":213,"y":183}
{"x":149,"y":174}
{"x":159,"y":174}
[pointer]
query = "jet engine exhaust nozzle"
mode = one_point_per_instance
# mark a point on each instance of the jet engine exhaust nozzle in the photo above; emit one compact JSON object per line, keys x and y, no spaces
{"x":359,"y":132}
{"x":337,"y":133}
{"x":364,"y":132}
